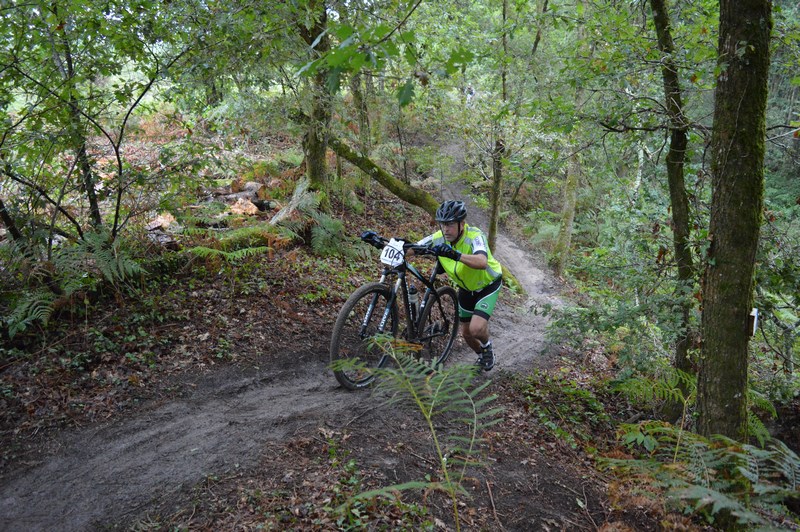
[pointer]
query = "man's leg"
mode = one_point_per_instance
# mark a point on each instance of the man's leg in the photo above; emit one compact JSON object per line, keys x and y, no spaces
{"x":475,"y":332}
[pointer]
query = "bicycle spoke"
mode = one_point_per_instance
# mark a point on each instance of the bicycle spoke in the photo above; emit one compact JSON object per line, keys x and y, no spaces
{"x":438,"y":326}
{"x":354,"y":352}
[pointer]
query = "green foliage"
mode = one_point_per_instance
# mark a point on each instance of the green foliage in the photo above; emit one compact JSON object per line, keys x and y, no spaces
{"x":565,"y":407}
{"x":326,"y":235}
{"x":228,"y":256}
{"x":669,"y":385}
{"x":622,"y":332}
{"x":715,"y":477}
{"x":261,"y":234}
{"x":75,"y":267}
{"x":97,"y":251}
{"x":673,"y":385}
{"x":441,"y":396}
{"x":30,"y":308}
{"x":758,"y":404}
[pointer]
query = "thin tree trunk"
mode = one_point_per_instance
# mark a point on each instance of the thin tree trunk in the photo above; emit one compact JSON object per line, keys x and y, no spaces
{"x":564,"y":240}
{"x":76,"y":130}
{"x":561,"y":250}
{"x":538,"y":38}
{"x":737,"y":158}
{"x":362,"y":114}
{"x":8,"y":221}
{"x":499,"y":145}
{"x":403,"y":158}
{"x":677,"y":190}
{"x":497,"y":190}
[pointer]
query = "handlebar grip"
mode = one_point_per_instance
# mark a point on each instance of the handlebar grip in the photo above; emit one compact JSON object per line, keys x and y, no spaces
{"x":373,"y":239}
{"x":420,"y":250}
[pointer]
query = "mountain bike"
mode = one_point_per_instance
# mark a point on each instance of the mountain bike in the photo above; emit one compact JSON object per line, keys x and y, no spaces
{"x":431,"y":324}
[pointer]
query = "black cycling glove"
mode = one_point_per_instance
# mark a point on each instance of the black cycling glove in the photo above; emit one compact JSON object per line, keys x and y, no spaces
{"x":444,"y":250}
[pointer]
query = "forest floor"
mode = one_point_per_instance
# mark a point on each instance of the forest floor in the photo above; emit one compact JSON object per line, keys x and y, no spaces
{"x":233,"y":420}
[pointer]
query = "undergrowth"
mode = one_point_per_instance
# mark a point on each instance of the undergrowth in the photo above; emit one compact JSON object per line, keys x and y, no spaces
{"x":717,"y":479}
{"x":444,"y":397}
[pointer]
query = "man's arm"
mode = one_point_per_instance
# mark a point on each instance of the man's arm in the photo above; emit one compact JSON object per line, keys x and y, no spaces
{"x":478,"y":261}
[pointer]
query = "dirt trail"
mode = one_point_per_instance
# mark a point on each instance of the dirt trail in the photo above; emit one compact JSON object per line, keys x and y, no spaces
{"x":113,"y":472}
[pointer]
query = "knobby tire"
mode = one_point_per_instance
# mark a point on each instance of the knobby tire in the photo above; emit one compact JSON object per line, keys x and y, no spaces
{"x":353,"y":353}
{"x":439,"y":326}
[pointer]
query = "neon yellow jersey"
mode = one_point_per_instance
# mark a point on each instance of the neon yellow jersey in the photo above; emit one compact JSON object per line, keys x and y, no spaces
{"x":472,"y":242}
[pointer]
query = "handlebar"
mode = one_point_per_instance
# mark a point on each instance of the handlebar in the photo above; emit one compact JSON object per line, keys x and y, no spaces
{"x":374,"y":239}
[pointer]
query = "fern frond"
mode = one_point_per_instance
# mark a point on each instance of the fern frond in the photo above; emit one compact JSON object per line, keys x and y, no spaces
{"x":669,"y":386}
{"x":326,"y":235}
{"x":229,"y":256}
{"x":449,"y":403}
{"x":716,"y":474}
{"x":96,"y":252}
{"x":30,"y":308}
{"x":253,"y":236}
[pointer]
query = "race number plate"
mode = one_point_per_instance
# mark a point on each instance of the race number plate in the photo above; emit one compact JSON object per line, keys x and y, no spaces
{"x":392,"y":254}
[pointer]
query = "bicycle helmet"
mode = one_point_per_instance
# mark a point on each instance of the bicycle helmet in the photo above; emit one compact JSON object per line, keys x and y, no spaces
{"x":451,"y":211}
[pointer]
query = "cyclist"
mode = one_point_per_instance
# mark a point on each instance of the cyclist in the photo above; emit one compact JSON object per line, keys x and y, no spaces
{"x":464,"y":255}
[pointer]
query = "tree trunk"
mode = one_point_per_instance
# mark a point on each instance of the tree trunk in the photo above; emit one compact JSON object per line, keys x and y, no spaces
{"x":737,"y":157}
{"x":497,"y":190}
{"x":8,"y":221}
{"x":499,"y":145}
{"x":677,"y":189}
{"x":77,"y":133}
{"x":315,"y":143}
{"x":561,"y":249}
{"x":405,"y":192}
{"x":362,"y":114}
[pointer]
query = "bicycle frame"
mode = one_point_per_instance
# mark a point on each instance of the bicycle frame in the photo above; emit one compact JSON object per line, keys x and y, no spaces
{"x":431,"y":326}
{"x":401,"y":285}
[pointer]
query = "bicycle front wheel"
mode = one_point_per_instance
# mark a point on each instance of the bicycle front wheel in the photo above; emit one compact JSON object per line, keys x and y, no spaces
{"x":439,"y":326}
{"x":354,"y":354}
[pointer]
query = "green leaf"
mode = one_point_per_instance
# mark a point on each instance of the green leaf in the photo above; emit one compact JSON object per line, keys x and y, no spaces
{"x":406,"y":93}
{"x":333,"y":81}
{"x":459,"y":57}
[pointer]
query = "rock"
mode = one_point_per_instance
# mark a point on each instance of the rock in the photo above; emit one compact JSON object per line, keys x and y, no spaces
{"x":236,"y":196}
{"x":265,"y":205}
{"x":244,"y":206}
{"x":252,"y":186}
{"x":162,"y":221}
{"x":163,"y":239}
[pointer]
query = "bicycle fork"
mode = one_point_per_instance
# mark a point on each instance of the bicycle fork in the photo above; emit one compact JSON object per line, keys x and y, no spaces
{"x":371,"y":309}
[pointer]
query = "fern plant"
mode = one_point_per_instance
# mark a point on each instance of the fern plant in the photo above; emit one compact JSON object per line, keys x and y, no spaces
{"x":327,"y":232}
{"x":715,"y":476}
{"x":31,"y":307}
{"x":97,"y":251}
{"x":438,"y":395}
{"x":679,"y":387}
{"x":236,"y":255}
{"x":80,"y":266}
{"x":237,"y":244}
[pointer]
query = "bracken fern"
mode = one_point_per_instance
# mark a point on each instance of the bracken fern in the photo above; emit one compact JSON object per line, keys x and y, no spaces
{"x":712,"y":475}
{"x":30,"y":307}
{"x":440,"y":395}
{"x":80,"y":266}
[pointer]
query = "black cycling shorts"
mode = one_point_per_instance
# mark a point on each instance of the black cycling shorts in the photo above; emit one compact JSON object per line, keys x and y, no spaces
{"x":480,"y":302}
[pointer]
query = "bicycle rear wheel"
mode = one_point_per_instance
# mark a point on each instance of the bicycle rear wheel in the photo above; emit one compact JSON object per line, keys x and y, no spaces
{"x":439,"y":326}
{"x":354,"y":355}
